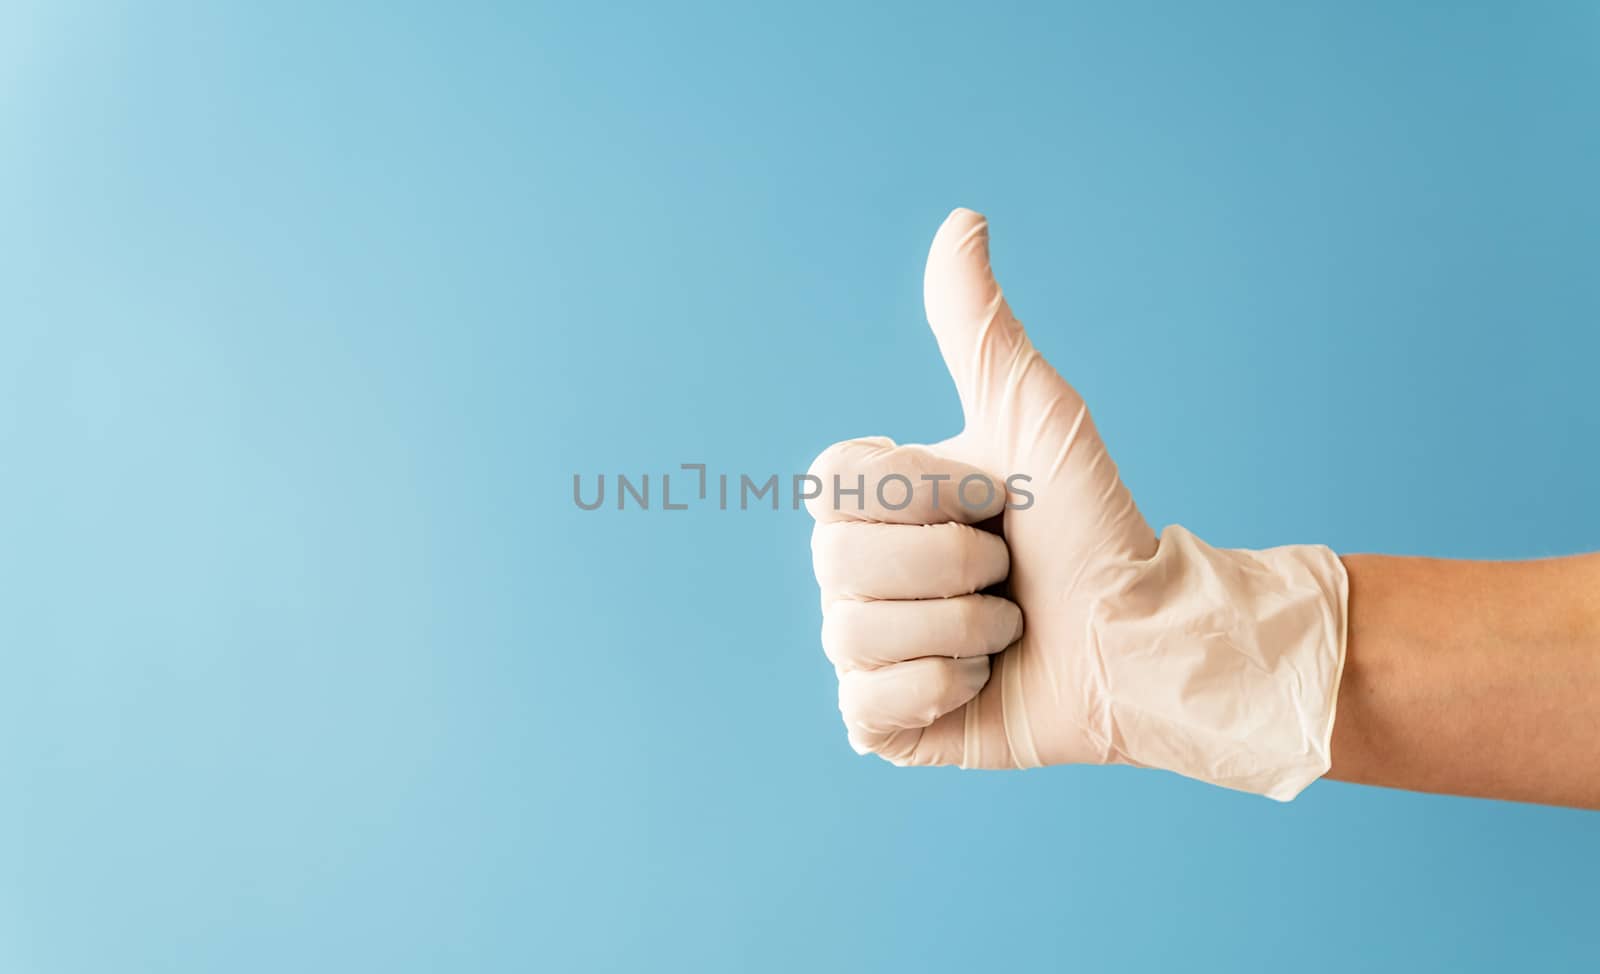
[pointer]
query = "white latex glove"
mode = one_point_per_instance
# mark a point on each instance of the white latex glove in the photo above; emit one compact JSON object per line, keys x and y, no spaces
{"x":1222,"y":665}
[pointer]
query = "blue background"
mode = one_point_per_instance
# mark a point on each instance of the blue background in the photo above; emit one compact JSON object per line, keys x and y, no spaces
{"x":309,"y":313}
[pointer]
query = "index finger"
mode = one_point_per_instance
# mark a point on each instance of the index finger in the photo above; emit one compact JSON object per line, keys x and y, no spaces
{"x":873,"y":479}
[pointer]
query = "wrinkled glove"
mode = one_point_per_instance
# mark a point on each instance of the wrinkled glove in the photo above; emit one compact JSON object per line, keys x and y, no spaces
{"x":1074,"y":635}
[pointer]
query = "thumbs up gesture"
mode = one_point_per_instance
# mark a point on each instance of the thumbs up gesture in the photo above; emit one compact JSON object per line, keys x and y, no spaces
{"x":996,"y":600}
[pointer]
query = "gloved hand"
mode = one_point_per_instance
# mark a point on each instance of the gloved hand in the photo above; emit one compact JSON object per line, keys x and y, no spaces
{"x":1110,"y":645}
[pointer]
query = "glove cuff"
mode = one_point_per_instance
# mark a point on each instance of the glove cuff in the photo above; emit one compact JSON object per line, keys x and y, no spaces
{"x":1223,"y":664}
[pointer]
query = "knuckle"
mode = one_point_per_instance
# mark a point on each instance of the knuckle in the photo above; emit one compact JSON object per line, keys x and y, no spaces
{"x":848,"y":456}
{"x":828,"y":462}
{"x":900,"y":748}
{"x":865,"y":701}
{"x":827,"y":552}
{"x":841,"y":632}
{"x":849,"y":701}
{"x":940,"y":684}
{"x":861,"y":741}
{"x":841,"y":466}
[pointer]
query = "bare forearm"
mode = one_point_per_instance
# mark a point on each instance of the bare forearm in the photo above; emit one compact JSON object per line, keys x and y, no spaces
{"x":1473,"y":678}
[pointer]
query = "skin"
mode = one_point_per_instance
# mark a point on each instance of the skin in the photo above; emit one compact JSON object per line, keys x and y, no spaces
{"x":1473,"y":678}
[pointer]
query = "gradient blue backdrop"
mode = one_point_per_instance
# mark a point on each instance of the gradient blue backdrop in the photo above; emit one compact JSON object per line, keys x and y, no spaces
{"x":309,"y":313}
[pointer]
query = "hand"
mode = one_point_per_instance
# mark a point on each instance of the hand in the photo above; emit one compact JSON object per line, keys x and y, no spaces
{"x":1112,"y":645}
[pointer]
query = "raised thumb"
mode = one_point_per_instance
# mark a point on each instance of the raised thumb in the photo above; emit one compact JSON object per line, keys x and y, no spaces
{"x":983,"y":345}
